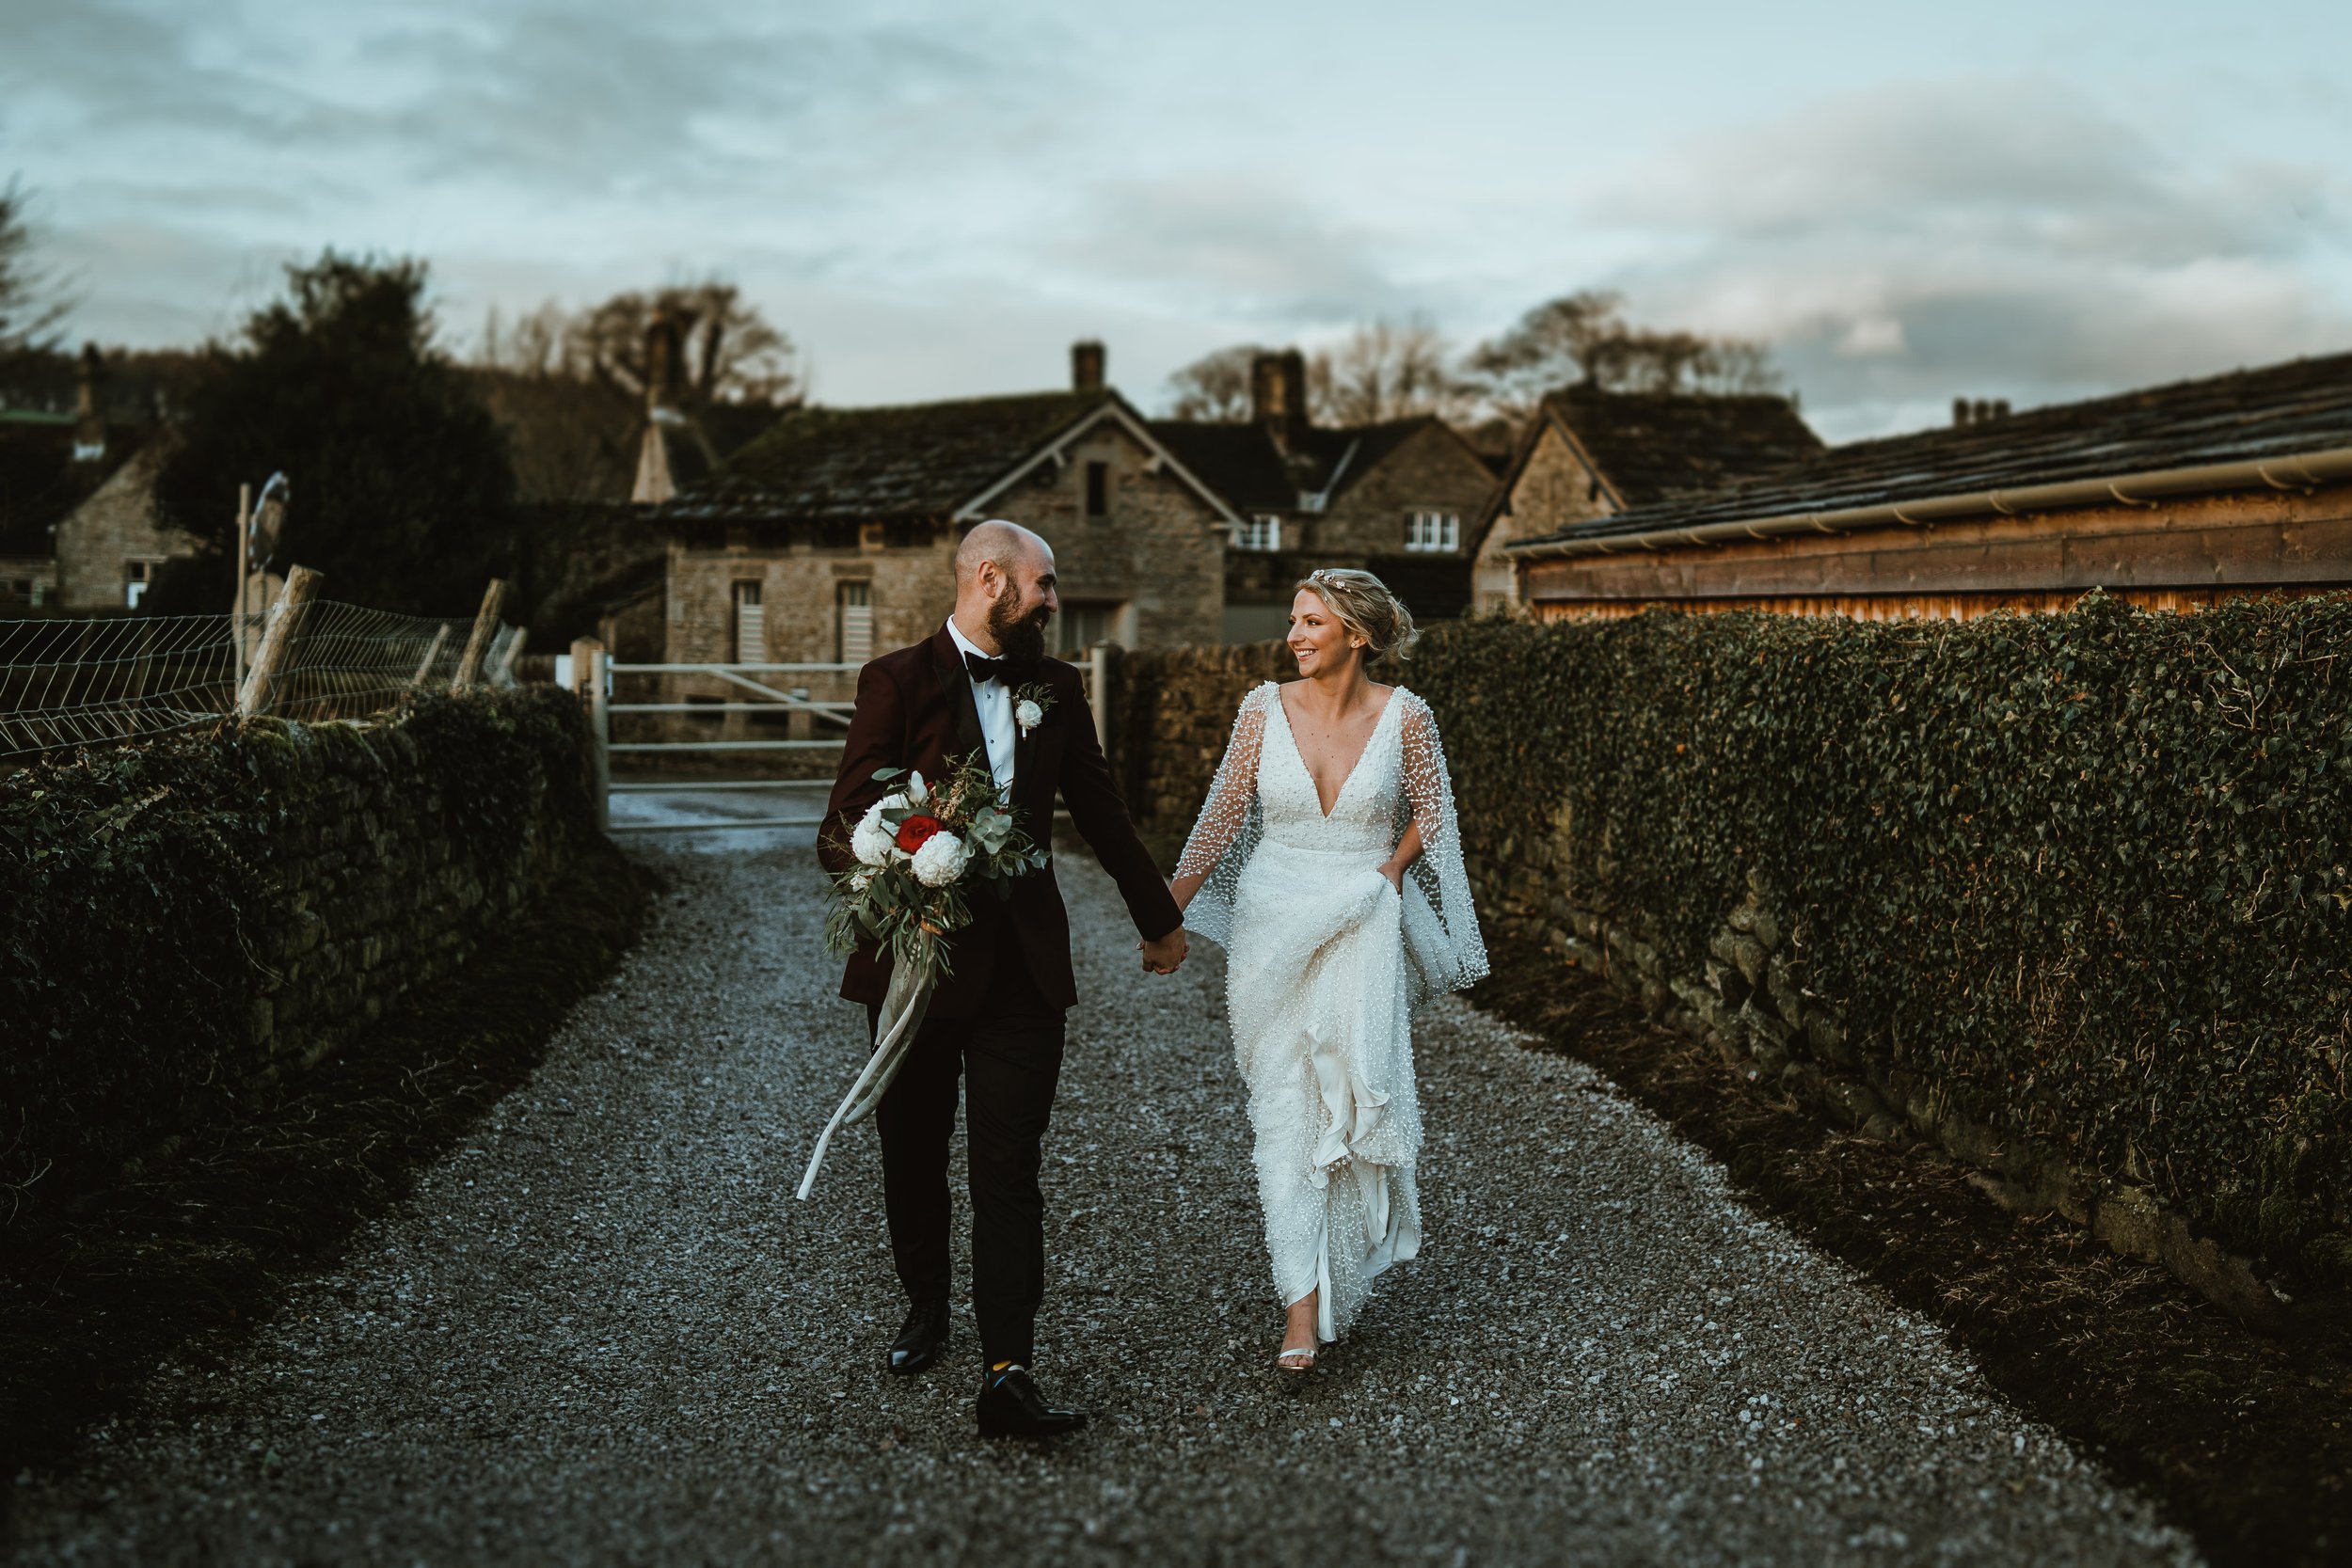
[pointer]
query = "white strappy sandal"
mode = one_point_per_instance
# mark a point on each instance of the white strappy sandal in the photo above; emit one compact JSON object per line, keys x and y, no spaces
{"x":1300,"y":1360}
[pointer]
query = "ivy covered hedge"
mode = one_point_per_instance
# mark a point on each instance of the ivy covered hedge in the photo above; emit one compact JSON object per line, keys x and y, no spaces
{"x":2090,"y":873}
{"x":179,"y":915}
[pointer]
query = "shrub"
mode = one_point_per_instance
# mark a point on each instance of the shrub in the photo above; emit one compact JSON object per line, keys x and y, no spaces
{"x":2087,"y":873}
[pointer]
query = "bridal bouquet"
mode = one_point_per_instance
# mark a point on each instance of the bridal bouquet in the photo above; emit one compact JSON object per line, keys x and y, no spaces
{"x":917,"y":849}
{"x":916,"y":846}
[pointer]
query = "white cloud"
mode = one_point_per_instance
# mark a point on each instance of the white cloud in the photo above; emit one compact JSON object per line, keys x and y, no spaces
{"x":1988,"y":238}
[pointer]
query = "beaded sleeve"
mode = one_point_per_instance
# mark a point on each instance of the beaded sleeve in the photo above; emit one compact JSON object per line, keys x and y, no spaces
{"x":1439,"y":872}
{"x":1228,"y":826}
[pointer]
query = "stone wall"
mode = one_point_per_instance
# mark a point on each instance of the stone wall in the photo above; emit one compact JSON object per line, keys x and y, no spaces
{"x":181,"y":919}
{"x":1745,"y":998}
{"x":1552,"y":489}
{"x":1171,"y":714}
{"x":1434,"y":470}
{"x":97,"y":542}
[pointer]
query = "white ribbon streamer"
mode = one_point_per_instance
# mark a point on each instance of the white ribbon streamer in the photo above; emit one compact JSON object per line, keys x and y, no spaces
{"x":903,"y":1007}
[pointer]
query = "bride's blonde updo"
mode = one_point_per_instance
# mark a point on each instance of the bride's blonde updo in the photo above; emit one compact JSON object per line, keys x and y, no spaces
{"x":1366,"y":608}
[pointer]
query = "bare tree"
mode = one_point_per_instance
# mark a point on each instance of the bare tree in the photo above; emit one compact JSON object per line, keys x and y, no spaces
{"x":1216,"y":386}
{"x":1586,"y":337}
{"x":32,"y":301}
{"x":536,"y":343}
{"x":730,"y":352}
{"x":1385,"y":370}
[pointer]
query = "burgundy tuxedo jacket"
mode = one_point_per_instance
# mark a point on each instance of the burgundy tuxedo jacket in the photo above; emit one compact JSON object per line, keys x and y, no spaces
{"x":915,"y":709}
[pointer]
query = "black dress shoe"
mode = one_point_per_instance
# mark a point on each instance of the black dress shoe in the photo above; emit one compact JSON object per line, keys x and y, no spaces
{"x":1011,"y":1406}
{"x":917,"y":1344}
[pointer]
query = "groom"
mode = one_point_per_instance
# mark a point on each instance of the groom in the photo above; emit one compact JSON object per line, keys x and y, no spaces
{"x":996,"y":1020}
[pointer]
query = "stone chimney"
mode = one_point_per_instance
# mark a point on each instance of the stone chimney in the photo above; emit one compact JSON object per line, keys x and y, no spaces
{"x":1085,"y":366}
{"x":1982,"y":411}
{"x":655,"y":483}
{"x":1278,"y":396}
{"x":89,"y":421}
{"x":662,"y":362}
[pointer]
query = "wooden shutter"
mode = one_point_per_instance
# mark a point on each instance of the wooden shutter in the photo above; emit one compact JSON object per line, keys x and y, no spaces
{"x":854,"y":617}
{"x":751,"y":633}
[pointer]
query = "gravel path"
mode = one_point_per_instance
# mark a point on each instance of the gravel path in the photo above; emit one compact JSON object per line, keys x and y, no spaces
{"x":603,"y":1330}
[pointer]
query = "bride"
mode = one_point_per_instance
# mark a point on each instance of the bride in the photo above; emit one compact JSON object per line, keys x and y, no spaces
{"x":1327,"y":863}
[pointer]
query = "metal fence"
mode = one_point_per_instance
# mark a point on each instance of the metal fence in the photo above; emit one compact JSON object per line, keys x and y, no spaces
{"x":106,"y":679}
{"x":776,"y":689}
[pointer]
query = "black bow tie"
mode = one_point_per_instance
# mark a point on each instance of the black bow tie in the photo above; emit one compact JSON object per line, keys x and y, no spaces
{"x":984,"y":669}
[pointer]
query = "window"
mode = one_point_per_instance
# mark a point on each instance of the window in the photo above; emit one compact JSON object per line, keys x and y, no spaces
{"x":1434,"y":530}
{"x":1082,"y":626}
{"x":136,"y":577}
{"x":1098,"y":489}
{"x":751,"y":640}
{"x":853,"y":622}
{"x":1262,"y":532}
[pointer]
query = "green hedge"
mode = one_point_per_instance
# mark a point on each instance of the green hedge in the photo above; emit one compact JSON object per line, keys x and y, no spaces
{"x":2089,"y":872}
{"x":143,"y":902}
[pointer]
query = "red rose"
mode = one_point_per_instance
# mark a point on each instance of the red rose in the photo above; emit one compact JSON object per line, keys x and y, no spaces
{"x":914,"y":830}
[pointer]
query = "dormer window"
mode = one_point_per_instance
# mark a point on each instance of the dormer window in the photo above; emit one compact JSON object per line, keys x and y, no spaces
{"x":1260,"y":533}
{"x":1434,"y":532}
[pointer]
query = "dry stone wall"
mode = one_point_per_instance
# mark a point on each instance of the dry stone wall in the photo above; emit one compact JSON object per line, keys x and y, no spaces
{"x":183,"y":919}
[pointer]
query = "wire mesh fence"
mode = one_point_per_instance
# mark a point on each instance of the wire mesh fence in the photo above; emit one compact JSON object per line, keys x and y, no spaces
{"x":101,"y":680}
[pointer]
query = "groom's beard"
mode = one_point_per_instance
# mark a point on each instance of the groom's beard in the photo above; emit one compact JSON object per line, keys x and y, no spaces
{"x":1022,"y":638}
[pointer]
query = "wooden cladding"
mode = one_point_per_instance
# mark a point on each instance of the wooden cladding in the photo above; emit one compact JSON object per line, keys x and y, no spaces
{"x":2176,"y":556}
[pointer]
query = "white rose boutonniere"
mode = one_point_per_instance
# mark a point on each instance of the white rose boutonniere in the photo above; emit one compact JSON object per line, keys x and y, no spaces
{"x":1030,"y":705}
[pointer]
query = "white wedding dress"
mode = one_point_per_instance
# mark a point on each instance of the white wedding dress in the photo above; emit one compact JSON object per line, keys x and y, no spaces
{"x":1326,"y":964}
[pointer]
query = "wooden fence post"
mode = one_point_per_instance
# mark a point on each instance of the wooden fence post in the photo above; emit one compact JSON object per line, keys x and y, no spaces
{"x":588,"y":683}
{"x":484,"y":628}
{"x":432,"y":651}
{"x":278,"y":641}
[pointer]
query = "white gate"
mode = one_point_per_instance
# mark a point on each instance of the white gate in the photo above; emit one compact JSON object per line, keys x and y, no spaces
{"x":593,"y":675}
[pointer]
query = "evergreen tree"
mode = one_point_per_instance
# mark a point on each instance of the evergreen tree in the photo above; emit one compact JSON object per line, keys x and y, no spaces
{"x":403,"y":493}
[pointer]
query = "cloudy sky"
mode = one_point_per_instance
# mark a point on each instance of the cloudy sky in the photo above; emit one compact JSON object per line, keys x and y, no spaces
{"x":2034,"y":199}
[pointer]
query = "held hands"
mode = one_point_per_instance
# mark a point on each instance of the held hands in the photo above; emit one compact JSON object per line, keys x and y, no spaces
{"x":1165,"y":954}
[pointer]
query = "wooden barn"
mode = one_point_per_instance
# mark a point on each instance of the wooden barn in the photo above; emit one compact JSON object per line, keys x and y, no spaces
{"x":2171,"y":498}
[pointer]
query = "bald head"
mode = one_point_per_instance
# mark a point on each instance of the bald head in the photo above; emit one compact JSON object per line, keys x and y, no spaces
{"x":1005,"y":589}
{"x":1008,"y":547}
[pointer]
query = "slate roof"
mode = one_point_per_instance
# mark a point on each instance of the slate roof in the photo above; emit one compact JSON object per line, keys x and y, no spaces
{"x":577,"y":440}
{"x":1652,"y":445}
{"x":2301,"y":406}
{"x":903,"y":462}
{"x":1241,"y":462}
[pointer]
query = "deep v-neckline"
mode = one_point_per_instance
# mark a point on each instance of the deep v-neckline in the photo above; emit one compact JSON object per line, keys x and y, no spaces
{"x":1353,"y":769}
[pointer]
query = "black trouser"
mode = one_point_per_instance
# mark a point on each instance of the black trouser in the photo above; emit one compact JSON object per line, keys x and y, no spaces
{"x":1010,"y":1055}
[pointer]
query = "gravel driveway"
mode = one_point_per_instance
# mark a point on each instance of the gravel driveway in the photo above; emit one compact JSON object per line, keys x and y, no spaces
{"x":603,"y":1331}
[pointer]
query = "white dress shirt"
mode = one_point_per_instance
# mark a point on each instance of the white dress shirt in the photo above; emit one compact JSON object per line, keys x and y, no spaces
{"x":995,"y":700}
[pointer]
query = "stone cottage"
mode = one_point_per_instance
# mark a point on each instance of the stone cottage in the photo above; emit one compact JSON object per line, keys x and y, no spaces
{"x":78,"y":529}
{"x":1589,"y":454}
{"x":2169,"y":497}
{"x":832,"y":537}
{"x":1396,"y":498}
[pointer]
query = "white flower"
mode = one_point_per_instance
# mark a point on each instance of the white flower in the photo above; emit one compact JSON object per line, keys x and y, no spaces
{"x":1027,"y":714}
{"x":871,"y":840}
{"x":861,"y":878}
{"x":941,"y":860}
{"x":917,"y":793}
